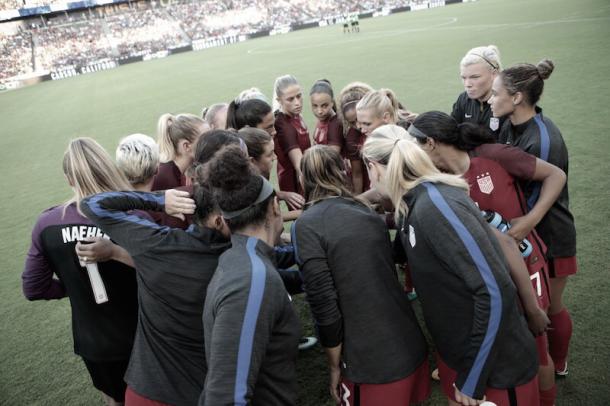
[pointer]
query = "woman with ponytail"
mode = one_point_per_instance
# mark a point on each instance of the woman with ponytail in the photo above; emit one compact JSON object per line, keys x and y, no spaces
{"x":251,"y":330}
{"x":292,"y":138}
{"x":515,"y":94}
{"x":103,"y":319}
{"x":493,"y":172}
{"x":352,"y":289}
{"x":354,"y":139}
{"x":177,"y":137}
{"x":462,"y":279}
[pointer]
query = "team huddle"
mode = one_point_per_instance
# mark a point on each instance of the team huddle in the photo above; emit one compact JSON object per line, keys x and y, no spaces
{"x":180,"y":275}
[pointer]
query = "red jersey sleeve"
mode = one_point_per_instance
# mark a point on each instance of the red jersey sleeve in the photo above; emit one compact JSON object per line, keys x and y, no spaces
{"x":353,"y":144}
{"x":287,"y":135}
{"x":335,"y":132}
{"x":516,"y":162}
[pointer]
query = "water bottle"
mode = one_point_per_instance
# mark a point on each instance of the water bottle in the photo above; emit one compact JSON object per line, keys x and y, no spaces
{"x":497,"y":221}
{"x":97,"y":284}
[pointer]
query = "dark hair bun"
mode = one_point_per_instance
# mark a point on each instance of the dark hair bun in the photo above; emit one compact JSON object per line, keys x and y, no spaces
{"x":545,"y":68}
{"x":230,"y":169}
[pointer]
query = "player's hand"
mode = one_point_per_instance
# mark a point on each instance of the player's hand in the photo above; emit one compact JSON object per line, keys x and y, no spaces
{"x":335,"y":381}
{"x":95,"y":249}
{"x":178,"y":203}
{"x":520,"y":227}
{"x":294,"y":200}
{"x":466,"y":400}
{"x":537,"y":320}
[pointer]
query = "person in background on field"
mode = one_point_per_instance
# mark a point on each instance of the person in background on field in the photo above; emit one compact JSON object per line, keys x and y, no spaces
{"x":492,"y":171}
{"x":103,"y":332}
{"x":292,"y":138}
{"x":515,"y":95}
{"x":251,"y":330}
{"x":178,"y":136}
{"x":353,"y":290}
{"x":478,"y":69}
{"x":216,"y":116}
{"x":485,"y":351}
{"x":329,"y":130}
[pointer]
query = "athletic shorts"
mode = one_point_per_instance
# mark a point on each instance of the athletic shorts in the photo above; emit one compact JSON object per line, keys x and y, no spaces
{"x":108,"y":377}
{"x":562,"y":266}
{"x":134,"y":399}
{"x":542,"y":346}
{"x":414,"y":388}
{"x":523,"y":395}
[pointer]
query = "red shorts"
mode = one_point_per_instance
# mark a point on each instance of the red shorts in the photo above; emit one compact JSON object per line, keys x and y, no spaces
{"x":542,"y":346}
{"x":134,"y":399}
{"x":523,"y":395}
{"x":562,"y":266}
{"x":414,"y":388}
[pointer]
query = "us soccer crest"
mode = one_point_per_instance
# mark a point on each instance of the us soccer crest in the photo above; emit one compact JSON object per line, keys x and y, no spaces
{"x":494,"y":123}
{"x":485,"y":183}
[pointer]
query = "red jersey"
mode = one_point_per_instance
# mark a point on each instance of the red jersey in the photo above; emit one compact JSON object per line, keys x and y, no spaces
{"x":354,"y":140}
{"x":168,"y":177}
{"x":291,"y":133}
{"x":330,"y":132}
{"x":491,"y":176}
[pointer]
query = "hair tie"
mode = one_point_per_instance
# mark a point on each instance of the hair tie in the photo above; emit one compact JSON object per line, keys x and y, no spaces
{"x":486,"y":60}
{"x":416,"y":132}
{"x":266,"y":191}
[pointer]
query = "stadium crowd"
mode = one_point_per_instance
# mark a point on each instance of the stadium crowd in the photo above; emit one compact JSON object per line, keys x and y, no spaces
{"x":82,"y":38}
{"x":180,"y":275}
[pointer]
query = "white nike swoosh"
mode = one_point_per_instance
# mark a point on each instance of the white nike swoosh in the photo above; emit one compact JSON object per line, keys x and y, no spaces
{"x":468,"y":115}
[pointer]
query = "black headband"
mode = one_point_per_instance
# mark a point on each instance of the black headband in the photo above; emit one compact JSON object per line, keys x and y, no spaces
{"x":486,"y":60}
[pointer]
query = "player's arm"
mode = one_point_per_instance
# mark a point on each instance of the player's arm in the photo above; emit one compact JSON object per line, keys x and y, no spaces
{"x":537,"y":319}
{"x":357,"y":175}
{"x":111,"y":211}
{"x":37,"y":278}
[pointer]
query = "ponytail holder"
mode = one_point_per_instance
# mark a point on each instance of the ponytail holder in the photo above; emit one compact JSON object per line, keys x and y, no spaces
{"x":416,"y":132}
{"x":265,"y":192}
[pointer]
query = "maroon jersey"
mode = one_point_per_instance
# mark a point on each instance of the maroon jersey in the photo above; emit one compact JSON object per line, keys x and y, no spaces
{"x":354,"y":140}
{"x":291,"y":133}
{"x":330,"y":132}
{"x":491,"y":176}
{"x":168,"y":177}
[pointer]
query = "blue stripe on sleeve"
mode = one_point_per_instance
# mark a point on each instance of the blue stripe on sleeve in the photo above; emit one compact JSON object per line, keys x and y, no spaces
{"x":545,"y":146}
{"x":485,"y":270}
{"x":246,"y":339}
{"x":283,"y":249}
{"x":293,"y":240}
{"x":94,"y":205}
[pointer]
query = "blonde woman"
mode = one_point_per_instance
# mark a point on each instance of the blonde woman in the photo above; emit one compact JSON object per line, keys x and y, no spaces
{"x":178,"y":136}
{"x":461,"y":276}
{"x":103,"y":332}
{"x":345,"y":257}
{"x":478,"y":69}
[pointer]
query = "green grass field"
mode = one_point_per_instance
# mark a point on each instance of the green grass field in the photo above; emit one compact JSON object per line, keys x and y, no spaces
{"x":416,"y":54}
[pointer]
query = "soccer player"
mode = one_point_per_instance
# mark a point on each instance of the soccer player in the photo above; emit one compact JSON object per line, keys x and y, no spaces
{"x":251,"y":330}
{"x":292,"y":138}
{"x":375,"y":109}
{"x":478,"y":69}
{"x":103,"y":332}
{"x":468,"y":299}
{"x":257,"y":113}
{"x":177,"y":137}
{"x":515,"y":95}
{"x":354,"y":139}
{"x":376,"y":351}
{"x":174,"y":268}
{"x":329,"y":130}
{"x":216,"y":116}
{"x":492,"y":171}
